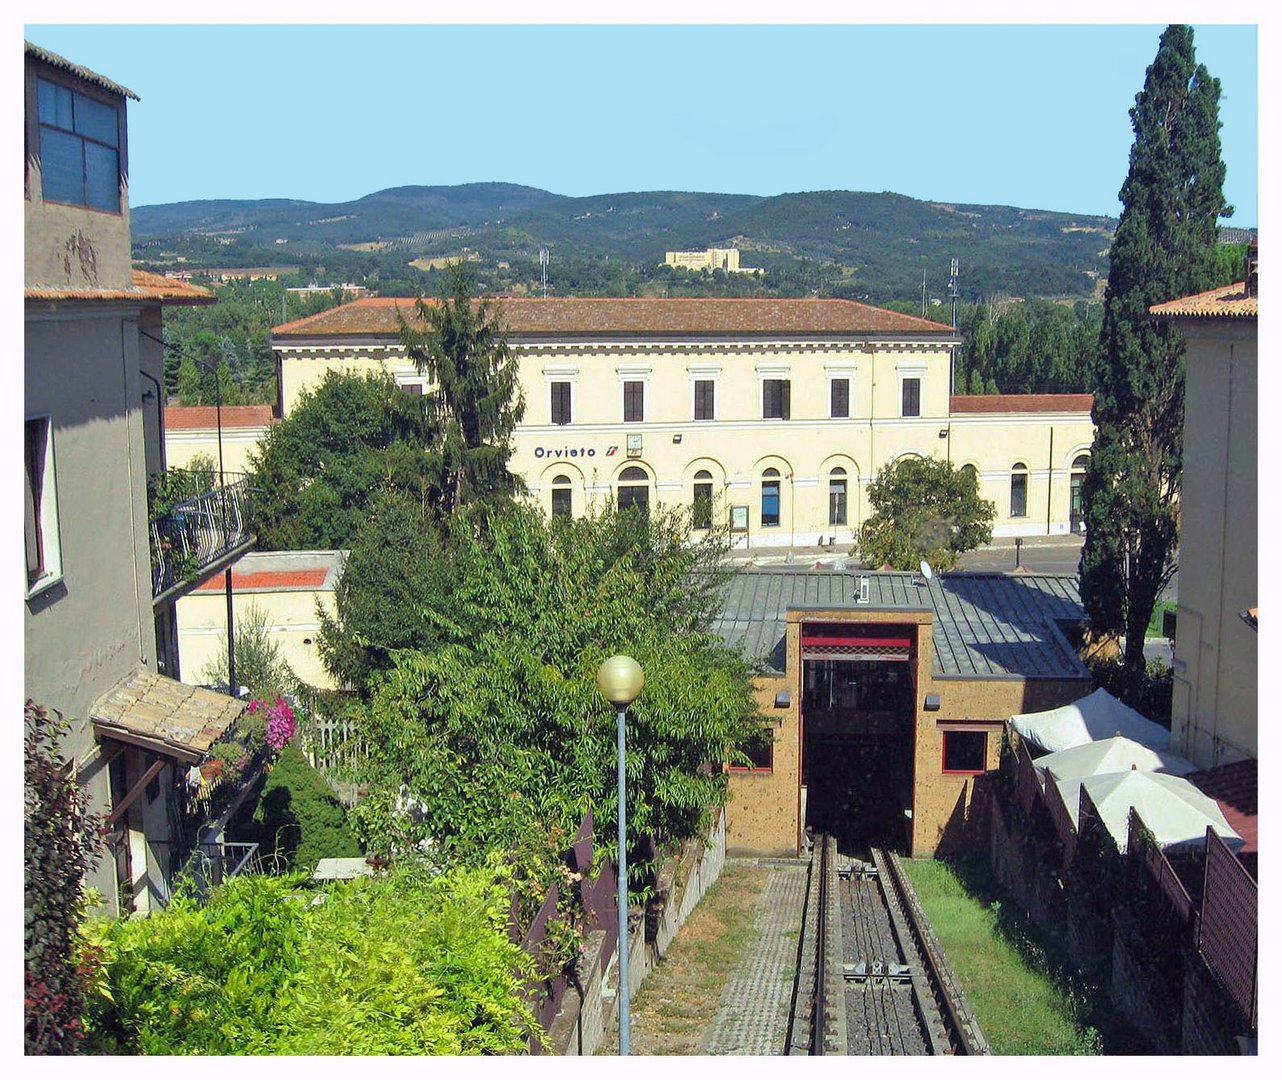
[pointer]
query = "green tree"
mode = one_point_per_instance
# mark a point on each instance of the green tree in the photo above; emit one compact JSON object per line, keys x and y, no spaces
{"x":353,"y":435}
{"x":924,"y":509}
{"x":1164,"y":248}
{"x":259,"y":664}
{"x":475,"y":398}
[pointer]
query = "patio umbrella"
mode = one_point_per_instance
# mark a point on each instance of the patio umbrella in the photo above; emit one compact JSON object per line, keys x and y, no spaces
{"x":1172,"y":809}
{"x":1116,"y":754}
{"x":1096,"y":716}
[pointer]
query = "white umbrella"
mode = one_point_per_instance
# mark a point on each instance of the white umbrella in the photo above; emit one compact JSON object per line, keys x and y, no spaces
{"x":1116,"y":754}
{"x":1096,"y":716}
{"x":1172,"y":809}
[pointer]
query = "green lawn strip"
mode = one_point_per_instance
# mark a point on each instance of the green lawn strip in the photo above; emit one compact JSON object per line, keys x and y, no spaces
{"x":679,"y":998}
{"x":1019,"y":1007}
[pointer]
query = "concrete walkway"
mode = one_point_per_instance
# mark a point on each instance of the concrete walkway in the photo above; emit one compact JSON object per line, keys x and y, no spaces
{"x":752,"y":1014}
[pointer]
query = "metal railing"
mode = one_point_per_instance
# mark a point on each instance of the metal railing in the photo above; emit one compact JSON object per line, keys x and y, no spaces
{"x":197,"y":532}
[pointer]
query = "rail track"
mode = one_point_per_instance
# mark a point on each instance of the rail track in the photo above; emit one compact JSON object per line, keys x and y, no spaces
{"x":871,"y":977}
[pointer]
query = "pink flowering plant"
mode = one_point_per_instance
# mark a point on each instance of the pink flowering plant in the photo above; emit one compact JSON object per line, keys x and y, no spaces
{"x":281,"y":724}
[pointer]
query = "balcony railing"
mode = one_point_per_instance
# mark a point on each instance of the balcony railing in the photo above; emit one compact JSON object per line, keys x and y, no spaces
{"x":197,"y":532}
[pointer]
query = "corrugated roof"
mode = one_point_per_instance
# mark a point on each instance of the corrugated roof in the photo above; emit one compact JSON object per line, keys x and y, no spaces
{"x":188,"y":417}
{"x":1021,"y":403}
{"x":54,"y":60}
{"x":984,"y":624}
{"x":376,"y":316}
{"x":1227,"y":302}
{"x":146,"y":286}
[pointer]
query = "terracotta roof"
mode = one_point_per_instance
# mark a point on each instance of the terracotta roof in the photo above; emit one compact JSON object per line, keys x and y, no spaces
{"x":54,"y":60}
{"x":1236,"y":788}
{"x":1020,"y":403}
{"x":146,"y":286}
{"x":1226,"y":302}
{"x":187,"y":417}
{"x":376,"y":316}
{"x":269,"y":579}
{"x":164,"y":715}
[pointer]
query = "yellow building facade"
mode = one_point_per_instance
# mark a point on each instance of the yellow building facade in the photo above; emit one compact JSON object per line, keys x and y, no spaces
{"x":771,"y":416}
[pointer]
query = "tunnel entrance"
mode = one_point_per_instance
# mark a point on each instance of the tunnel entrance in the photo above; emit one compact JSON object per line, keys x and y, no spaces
{"x":858,"y":722}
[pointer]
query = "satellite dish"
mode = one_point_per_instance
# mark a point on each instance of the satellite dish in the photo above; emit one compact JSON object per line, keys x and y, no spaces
{"x":926,"y":571}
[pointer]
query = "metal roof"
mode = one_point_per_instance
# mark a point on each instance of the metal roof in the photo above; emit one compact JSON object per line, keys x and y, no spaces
{"x":1000,"y":625}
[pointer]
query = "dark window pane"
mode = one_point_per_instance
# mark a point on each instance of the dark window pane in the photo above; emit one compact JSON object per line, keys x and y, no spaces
{"x":840,"y":398}
{"x":560,"y":403}
{"x":702,"y":512}
{"x":770,"y":502}
{"x":37,"y":432}
{"x":1019,"y":495}
{"x":634,"y":495}
{"x":96,"y":120}
{"x":633,"y":402}
{"x":775,"y":399}
{"x":703,"y":399}
{"x":102,"y":177}
{"x":53,"y":103}
{"x":62,"y":167}
{"x":760,"y":749}
{"x":836,"y":502}
{"x":965,"y":751}
{"x":561,"y":502}
{"x":912,"y":397}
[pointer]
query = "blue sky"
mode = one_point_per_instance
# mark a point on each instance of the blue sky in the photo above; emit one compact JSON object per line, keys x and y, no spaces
{"x":1029,"y":116}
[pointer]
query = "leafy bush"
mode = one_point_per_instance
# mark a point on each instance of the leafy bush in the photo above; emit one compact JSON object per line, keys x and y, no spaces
{"x":259,"y":665}
{"x":60,"y":844}
{"x":404,"y":963}
{"x":296,"y":817}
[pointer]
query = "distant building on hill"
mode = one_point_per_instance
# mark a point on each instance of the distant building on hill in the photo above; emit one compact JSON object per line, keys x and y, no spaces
{"x":726,"y":259}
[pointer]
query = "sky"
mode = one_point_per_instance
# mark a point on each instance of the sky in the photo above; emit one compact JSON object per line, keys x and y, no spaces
{"x":1027,"y":116}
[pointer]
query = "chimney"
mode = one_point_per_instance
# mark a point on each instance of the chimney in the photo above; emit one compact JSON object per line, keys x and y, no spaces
{"x":1252,"y":278}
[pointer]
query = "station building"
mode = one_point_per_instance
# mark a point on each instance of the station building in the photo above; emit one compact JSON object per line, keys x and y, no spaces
{"x":771,"y":416}
{"x":886,"y":695}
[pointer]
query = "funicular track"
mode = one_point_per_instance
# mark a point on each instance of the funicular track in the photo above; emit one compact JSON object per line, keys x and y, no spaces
{"x":871,"y":976}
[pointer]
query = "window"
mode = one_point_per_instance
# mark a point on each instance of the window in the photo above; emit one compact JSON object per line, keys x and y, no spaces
{"x":415,"y":389}
{"x":1019,"y":490}
{"x":770,"y":498}
{"x":704,"y":399}
{"x":776,"y":399}
{"x":701,"y":512}
{"x":911,"y":389}
{"x":633,"y":402}
{"x":40,"y":505}
{"x":560,"y":392}
{"x":634,"y":489}
{"x":965,"y":751}
{"x":840,"y":394}
{"x":1076,"y":518}
{"x":562,"y":503}
{"x":79,"y":148}
{"x":971,"y":474}
{"x":837,"y":497}
{"x":760,"y":749}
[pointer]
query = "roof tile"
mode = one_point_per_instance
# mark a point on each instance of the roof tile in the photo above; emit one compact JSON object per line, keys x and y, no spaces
{"x":1021,"y":403}
{"x":1226,"y":302}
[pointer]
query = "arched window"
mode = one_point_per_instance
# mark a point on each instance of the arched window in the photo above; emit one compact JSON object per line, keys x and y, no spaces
{"x":701,"y":513}
{"x":634,"y":488}
{"x":1076,"y":519}
{"x":562,"y":502}
{"x":837,"y":497}
{"x":970,"y":471}
{"x":1019,"y":490}
{"x":770,"y":498}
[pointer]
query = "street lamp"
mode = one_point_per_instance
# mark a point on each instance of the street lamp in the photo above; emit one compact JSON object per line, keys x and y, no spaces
{"x":620,"y":680}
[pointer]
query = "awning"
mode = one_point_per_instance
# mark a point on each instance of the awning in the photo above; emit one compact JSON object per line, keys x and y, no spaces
{"x":838,"y":647}
{"x":165,"y":716}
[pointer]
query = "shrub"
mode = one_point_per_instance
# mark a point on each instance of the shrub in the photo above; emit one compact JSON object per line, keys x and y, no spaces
{"x":60,"y":844}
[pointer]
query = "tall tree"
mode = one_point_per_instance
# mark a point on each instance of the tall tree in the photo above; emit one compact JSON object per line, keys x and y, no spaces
{"x":1164,"y":248}
{"x":475,"y":399}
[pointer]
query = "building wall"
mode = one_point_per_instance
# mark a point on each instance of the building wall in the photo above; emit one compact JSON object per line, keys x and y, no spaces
{"x":762,"y":817}
{"x":738,"y":445}
{"x":1215,"y":706}
{"x":290,"y":615}
{"x":238,"y":443}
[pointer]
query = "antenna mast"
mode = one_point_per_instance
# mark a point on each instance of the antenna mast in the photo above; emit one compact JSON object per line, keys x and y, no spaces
{"x":923,"y":292}
{"x":952,"y":353}
{"x":543,"y":268}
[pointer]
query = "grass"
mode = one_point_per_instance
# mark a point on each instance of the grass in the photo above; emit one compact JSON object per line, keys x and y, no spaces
{"x":678,"y":1000}
{"x":1155,"y":623}
{"x":1021,"y":1007}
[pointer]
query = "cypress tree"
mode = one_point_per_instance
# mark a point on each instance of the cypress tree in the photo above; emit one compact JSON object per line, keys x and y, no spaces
{"x":1164,"y":248}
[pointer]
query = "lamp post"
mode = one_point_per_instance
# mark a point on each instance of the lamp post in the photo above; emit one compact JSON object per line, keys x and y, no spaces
{"x":620,"y":680}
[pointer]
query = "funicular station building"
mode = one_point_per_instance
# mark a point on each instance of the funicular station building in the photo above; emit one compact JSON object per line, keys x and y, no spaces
{"x":887,"y":695}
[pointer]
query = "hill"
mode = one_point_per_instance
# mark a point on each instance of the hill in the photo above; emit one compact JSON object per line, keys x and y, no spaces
{"x":873,"y":246}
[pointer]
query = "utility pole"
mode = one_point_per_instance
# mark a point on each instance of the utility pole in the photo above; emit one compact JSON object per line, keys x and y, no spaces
{"x":952,"y":352}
